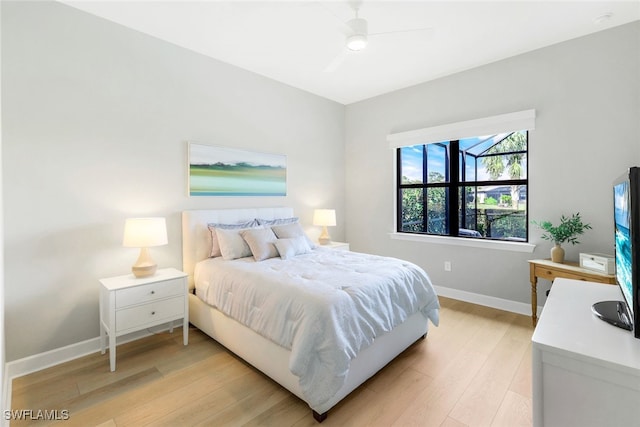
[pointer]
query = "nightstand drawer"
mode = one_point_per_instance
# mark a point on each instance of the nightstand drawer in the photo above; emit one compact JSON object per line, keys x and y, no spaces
{"x":151,"y":313}
{"x":151,"y":292}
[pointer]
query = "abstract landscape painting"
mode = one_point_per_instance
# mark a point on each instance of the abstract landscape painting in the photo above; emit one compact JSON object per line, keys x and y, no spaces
{"x":220,"y":171}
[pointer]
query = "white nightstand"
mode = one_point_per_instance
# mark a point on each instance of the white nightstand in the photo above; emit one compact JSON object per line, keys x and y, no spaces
{"x":340,"y":246}
{"x":129,"y":304}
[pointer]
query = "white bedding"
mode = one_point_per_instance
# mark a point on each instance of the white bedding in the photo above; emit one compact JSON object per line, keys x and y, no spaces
{"x":325,"y":306}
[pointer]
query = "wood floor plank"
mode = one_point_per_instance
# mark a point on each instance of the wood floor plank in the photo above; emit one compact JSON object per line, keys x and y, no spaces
{"x":222,"y":362}
{"x":155,"y":410}
{"x":450,"y":422}
{"x":349,"y":411}
{"x":521,"y":383}
{"x":515,"y":411}
{"x":477,"y":357}
{"x":389,"y":404}
{"x":45,"y":394}
{"x":284,"y":413}
{"x":241,"y":399}
{"x":434,"y":404}
{"x":450,"y":338}
{"x":480,"y":401}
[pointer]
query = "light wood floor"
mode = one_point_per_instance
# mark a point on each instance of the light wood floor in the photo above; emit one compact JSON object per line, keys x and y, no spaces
{"x":473,"y":370}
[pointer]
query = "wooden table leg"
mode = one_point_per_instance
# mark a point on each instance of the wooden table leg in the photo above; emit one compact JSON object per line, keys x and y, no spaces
{"x":534,"y":294}
{"x":534,"y":301}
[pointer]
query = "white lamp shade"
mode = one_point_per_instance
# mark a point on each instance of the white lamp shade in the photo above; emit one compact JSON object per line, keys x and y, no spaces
{"x":144,"y":232}
{"x":325,"y":217}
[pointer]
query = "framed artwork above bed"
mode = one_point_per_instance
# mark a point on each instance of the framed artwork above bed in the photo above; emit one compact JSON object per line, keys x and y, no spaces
{"x":223,"y":171}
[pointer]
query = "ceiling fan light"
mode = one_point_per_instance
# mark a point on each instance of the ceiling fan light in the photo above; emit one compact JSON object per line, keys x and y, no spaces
{"x":357,"y":42}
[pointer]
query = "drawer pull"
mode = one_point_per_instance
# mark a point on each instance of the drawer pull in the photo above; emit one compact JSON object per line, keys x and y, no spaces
{"x":153,"y":313}
{"x":153,"y":292}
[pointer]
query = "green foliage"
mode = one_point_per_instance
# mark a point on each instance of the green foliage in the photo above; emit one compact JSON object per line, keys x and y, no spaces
{"x":512,"y":224}
{"x":413,"y":209}
{"x":505,"y":199}
{"x":490,"y":201}
{"x":496,"y":166}
{"x":567,"y":231}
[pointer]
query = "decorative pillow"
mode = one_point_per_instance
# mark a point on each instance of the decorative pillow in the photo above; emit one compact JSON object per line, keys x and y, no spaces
{"x":232,"y":245}
{"x":261,"y":242}
{"x":291,"y":230}
{"x":288,"y":248}
{"x":215,"y":247}
{"x":278,"y":221}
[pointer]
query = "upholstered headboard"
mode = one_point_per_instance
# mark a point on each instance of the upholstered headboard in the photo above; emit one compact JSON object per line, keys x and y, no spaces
{"x":196,"y":238}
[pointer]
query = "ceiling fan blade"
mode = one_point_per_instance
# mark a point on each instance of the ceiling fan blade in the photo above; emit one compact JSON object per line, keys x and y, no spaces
{"x":337,"y":61}
{"x":344,"y":26}
{"x":428,"y":30}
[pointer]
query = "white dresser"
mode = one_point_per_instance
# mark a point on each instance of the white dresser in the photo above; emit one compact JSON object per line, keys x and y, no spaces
{"x":586,"y":372}
{"x":129,"y":304}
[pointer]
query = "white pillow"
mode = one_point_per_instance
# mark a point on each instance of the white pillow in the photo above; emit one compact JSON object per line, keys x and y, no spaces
{"x":232,"y":245}
{"x":261,"y":242}
{"x":289,"y":231}
{"x":288,"y":248}
{"x":215,"y":246}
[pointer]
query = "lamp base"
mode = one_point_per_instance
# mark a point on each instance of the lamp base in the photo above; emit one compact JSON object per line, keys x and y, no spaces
{"x":324,"y":238}
{"x":144,"y":271}
{"x":144,"y":266}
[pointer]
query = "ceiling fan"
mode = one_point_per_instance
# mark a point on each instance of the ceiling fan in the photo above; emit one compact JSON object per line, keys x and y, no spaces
{"x":357,"y":35}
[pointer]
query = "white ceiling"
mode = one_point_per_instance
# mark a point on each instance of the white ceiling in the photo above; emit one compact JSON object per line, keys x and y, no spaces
{"x":295,"y":41}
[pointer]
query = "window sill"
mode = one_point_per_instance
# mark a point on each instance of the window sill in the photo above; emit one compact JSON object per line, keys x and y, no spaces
{"x":473,"y":243}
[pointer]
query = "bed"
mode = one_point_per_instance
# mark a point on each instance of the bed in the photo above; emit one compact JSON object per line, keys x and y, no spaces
{"x":351,"y":357}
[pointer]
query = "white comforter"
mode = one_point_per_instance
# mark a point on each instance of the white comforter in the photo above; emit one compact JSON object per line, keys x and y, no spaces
{"x":325,"y":306}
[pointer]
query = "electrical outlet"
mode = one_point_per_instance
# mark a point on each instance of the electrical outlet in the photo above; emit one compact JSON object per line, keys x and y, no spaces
{"x":447,"y":266}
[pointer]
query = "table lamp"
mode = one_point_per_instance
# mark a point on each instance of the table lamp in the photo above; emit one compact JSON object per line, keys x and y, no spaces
{"x":144,"y":233}
{"x":324,"y":218}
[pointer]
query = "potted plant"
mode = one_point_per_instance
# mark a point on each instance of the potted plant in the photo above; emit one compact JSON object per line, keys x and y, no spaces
{"x":567,"y":231}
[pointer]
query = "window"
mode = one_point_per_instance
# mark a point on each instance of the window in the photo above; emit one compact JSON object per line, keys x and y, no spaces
{"x":471,"y":187}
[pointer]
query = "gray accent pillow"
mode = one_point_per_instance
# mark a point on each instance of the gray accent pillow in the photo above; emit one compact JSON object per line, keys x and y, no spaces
{"x":215,"y":246}
{"x":261,"y":243}
{"x":288,"y":248}
{"x":291,"y":230}
{"x":232,"y":245}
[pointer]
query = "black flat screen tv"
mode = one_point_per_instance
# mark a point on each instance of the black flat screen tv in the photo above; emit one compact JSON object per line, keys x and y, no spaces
{"x":626,"y":214}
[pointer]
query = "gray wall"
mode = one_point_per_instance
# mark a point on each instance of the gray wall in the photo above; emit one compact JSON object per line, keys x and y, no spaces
{"x":586,"y":93}
{"x":95,"y":121}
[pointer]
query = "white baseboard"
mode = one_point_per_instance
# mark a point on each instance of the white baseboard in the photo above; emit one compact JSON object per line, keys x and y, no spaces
{"x":37,"y":362}
{"x":27,"y":365}
{"x":487,"y":301}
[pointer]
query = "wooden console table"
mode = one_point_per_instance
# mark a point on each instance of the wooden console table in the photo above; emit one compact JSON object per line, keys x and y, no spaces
{"x":545,"y":269}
